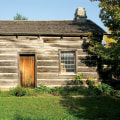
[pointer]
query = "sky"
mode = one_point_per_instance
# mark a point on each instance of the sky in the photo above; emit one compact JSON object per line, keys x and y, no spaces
{"x":49,"y":9}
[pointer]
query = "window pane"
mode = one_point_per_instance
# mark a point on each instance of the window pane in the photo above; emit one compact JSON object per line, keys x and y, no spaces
{"x":67,"y":61}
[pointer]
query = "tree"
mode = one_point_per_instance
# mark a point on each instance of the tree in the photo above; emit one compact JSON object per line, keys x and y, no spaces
{"x":19,"y":17}
{"x":110,"y":16}
{"x":108,"y":39}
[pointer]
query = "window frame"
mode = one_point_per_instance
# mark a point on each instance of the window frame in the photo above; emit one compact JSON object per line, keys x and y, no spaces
{"x":67,"y":73}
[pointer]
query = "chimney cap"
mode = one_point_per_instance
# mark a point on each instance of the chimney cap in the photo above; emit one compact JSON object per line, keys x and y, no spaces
{"x":80,"y":15}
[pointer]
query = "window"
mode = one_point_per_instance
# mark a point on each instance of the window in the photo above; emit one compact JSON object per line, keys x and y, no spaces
{"x":67,"y":63}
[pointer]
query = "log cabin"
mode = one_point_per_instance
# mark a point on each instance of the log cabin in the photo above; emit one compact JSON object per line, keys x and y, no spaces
{"x":50,"y":52}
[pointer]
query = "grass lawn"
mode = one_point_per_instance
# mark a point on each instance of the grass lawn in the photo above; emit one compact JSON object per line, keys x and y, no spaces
{"x":59,"y":108}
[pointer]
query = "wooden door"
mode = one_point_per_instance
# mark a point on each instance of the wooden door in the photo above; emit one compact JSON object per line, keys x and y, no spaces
{"x":27,"y":70}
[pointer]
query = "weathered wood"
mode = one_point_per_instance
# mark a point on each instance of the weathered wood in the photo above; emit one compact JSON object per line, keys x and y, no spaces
{"x":8,"y":57}
{"x":47,"y":52}
{"x":45,"y":74}
{"x":49,"y":82}
{"x":39,"y":57}
{"x":90,"y":74}
{"x":8,"y":51}
{"x":47,"y":69}
{"x":75,"y":46}
{"x":89,"y":63}
{"x":8,"y":76}
{"x":56,"y":76}
{"x":87,"y":57}
{"x":75,"y":38}
{"x":8,"y":63}
{"x":82,"y":52}
{"x":10,"y":83}
{"x":29,"y":50}
{"x":28,"y":38}
{"x":47,"y":63}
{"x":52,"y":39}
{"x":21,"y":45}
{"x":87,"y":69}
{"x":47,"y":58}
{"x":63,"y":41}
{"x":27,"y":70}
{"x":8,"y":70}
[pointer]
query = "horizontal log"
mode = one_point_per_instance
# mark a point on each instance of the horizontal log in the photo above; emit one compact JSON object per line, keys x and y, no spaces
{"x":47,"y":52}
{"x":64,"y":41}
{"x":30,"y":38}
{"x":82,"y":52}
{"x":89,"y":74}
{"x":67,"y":77}
{"x":8,"y":83}
{"x":76,"y":38}
{"x":8,"y":76}
{"x":65,"y":38}
{"x":47,"y":45}
{"x":87,"y":57}
{"x":89,"y":63}
{"x":20,"y":42}
{"x":47,"y":63}
{"x":39,"y":57}
{"x":49,"y":82}
{"x":45,"y":74}
{"x":47,"y":70}
{"x":8,"y":57}
{"x":7,"y":37}
{"x":28,"y":50}
{"x":8,"y":63}
{"x":55,"y":76}
{"x":27,"y":45}
{"x":8,"y":51}
{"x":8,"y":70}
{"x":87,"y":69}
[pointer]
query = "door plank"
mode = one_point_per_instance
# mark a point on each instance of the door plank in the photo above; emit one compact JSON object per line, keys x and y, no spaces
{"x":27,"y":71}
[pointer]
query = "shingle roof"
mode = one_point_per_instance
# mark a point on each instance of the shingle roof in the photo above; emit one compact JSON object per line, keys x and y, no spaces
{"x":47,"y":27}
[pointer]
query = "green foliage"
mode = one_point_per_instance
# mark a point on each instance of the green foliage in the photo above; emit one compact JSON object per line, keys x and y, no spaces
{"x":90,"y":82}
{"x":28,"y":83}
{"x":19,"y":17}
{"x":43,"y":89}
{"x":78,"y":79}
{"x":92,"y":89}
{"x":18,"y":91}
{"x":104,"y":89}
{"x":109,"y":56}
{"x":110,"y":16}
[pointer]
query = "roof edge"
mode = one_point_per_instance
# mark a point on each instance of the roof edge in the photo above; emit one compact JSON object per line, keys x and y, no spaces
{"x":49,"y":34}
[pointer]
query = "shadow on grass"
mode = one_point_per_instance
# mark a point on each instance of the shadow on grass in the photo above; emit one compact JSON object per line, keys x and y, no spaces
{"x":93,"y":108}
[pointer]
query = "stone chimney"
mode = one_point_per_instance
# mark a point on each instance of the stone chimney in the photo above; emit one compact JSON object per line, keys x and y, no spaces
{"x":80,"y":15}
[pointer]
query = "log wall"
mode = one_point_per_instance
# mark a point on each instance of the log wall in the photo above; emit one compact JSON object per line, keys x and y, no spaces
{"x":46,"y":50}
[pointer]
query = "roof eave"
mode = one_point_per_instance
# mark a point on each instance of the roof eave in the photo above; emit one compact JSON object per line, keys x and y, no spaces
{"x":50,"y":34}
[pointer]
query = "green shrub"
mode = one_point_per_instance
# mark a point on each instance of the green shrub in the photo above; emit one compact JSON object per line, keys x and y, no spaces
{"x":30,"y":92}
{"x":104,"y":89}
{"x":90,"y":82}
{"x":78,"y":79}
{"x":43,"y":89}
{"x":18,"y":91}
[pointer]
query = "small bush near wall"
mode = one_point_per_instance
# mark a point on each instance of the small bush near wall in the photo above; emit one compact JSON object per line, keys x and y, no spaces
{"x":92,"y":90}
{"x":78,"y":79}
{"x":105,"y":89}
{"x":18,"y":91}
